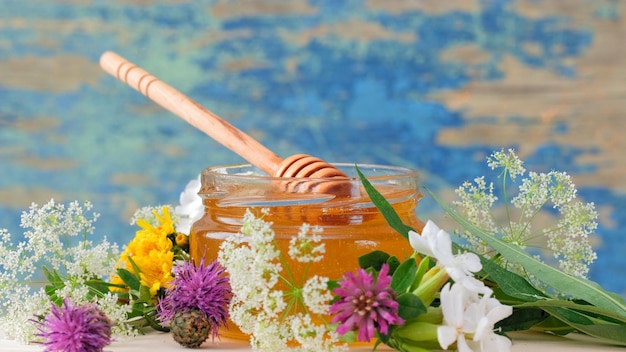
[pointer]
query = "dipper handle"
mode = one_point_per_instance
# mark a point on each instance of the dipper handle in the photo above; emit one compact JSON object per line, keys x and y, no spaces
{"x":190,"y":111}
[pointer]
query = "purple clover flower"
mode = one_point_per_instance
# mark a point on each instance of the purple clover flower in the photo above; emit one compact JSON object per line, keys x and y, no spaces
{"x":200,"y":287}
{"x":73,"y":328}
{"x":365,"y":304}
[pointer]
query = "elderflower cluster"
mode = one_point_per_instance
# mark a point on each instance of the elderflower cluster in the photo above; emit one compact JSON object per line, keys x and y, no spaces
{"x":55,"y":240}
{"x":268,"y":301}
{"x":568,"y":239}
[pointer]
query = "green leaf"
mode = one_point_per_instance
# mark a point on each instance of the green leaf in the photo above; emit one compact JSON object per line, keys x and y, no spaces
{"x":522,"y":319}
{"x":403,"y":276}
{"x":385,"y":208}
{"x":393,"y":263}
{"x":577,"y":287}
{"x":332,"y":284}
{"x":422,"y":268}
{"x":53,"y":277}
{"x":374,"y":259}
{"x":555,"y":326}
{"x":591,"y":311}
{"x":129,"y":279}
{"x":410,"y":306}
{"x":97,"y":288}
{"x":134,"y":265}
{"x":511,"y":283}
{"x":613,"y":333}
{"x":144,"y":294}
{"x":51,"y":291}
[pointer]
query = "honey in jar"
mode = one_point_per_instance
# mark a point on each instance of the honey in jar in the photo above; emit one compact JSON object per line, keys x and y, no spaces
{"x":351,"y":225}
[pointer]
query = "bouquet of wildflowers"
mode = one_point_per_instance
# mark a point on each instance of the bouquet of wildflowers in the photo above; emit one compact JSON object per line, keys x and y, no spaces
{"x":91,"y":293}
{"x":464,"y":292}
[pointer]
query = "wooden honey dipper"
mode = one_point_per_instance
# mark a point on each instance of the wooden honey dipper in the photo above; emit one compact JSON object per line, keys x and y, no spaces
{"x":295,"y":166}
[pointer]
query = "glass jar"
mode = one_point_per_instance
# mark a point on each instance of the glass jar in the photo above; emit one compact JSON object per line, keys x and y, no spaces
{"x":352,"y":225}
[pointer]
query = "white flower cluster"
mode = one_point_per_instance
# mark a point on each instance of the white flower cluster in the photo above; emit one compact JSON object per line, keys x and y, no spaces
{"x":469,"y":310}
{"x":55,"y":238}
{"x":306,"y":246}
{"x":267,"y":302}
{"x":568,"y":239}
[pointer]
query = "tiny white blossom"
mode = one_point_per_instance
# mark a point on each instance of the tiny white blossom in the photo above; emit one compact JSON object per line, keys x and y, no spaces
{"x":307,"y":246}
{"x":568,"y":240}
{"x":49,"y":242}
{"x":267,"y":304}
{"x":316,"y":295}
{"x":508,"y":161}
{"x":314,"y":337}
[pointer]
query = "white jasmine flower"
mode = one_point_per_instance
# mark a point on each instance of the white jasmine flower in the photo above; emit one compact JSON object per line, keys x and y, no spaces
{"x":469,"y":319}
{"x":436,"y":243}
{"x":191,"y":208}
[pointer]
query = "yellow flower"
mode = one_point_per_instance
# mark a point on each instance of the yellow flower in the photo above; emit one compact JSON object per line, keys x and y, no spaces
{"x":165,"y":227}
{"x":182,"y":240}
{"x":156,"y":270}
{"x":151,"y":251}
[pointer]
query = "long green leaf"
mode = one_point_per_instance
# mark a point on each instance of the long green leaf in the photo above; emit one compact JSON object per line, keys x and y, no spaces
{"x":523,"y":319}
{"x":385,"y":208}
{"x":589,"y":309}
{"x":511,"y":283}
{"x":613,"y":333}
{"x":578,"y":287}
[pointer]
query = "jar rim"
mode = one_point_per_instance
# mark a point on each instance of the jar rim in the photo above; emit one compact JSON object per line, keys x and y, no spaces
{"x":388,"y":172}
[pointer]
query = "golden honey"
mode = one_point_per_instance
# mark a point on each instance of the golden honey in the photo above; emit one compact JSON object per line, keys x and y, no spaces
{"x":352,"y":226}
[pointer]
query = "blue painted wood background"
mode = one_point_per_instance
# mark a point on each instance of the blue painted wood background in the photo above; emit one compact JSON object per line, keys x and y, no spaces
{"x":432,"y":85}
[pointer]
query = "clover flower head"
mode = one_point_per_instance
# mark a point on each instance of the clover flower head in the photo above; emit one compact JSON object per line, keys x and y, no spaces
{"x":199,"y":287}
{"x":74,"y":328}
{"x":365,"y":303}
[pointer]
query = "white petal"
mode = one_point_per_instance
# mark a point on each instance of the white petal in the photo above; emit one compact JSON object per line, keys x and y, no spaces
{"x":453,"y":299}
{"x":462,"y":345}
{"x":442,"y":247}
{"x":471,"y":262}
{"x":483,"y":328}
{"x":469,"y":282}
{"x":495,"y":343}
{"x":420,"y":243}
{"x":446,"y":335}
{"x":499,"y":312}
{"x":430,"y":229}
